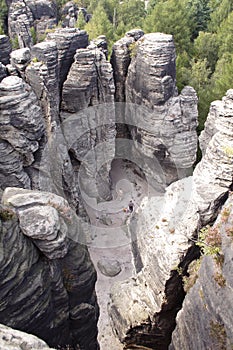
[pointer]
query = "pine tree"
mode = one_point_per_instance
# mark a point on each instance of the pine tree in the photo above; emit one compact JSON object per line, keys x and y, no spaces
{"x":99,"y":24}
{"x":172,"y":17}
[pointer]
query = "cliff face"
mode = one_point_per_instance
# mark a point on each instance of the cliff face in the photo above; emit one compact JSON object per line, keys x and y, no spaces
{"x":206,"y":318}
{"x":22,"y":128}
{"x":163,"y":232}
{"x":28,"y":20}
{"x":168,"y":134}
{"x":205,"y":321}
{"x":43,"y":291}
{"x":88,"y":127}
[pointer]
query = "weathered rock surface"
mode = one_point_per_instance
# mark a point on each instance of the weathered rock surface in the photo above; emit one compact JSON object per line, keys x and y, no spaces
{"x":11,"y":339}
{"x":49,"y":277}
{"x":168,"y":134}
{"x":120,"y":60}
{"x":28,"y":20}
{"x":109,"y":267}
{"x":5,"y":49}
{"x":20,"y":59}
{"x":22,"y":128}
{"x":90,"y":132}
{"x":205,"y":321}
{"x":68,"y":40}
{"x":163,"y":247}
{"x":42,"y":74}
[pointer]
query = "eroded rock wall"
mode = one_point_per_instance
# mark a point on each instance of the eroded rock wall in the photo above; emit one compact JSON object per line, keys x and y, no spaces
{"x":205,"y":321}
{"x":163,"y":233}
{"x":47,"y":279}
{"x":89,"y":115}
{"x":167,"y":130}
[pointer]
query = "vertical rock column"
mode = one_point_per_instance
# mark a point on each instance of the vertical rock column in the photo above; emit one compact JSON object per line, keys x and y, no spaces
{"x":88,"y":98}
{"x":42,"y":75}
{"x":5,"y":49}
{"x":22,"y":128}
{"x":166,"y":131}
{"x":68,"y":40}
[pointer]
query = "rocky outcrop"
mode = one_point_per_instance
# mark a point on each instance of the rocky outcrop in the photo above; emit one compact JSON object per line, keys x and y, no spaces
{"x":22,"y":128}
{"x":28,"y":21}
{"x":168,"y":134}
{"x":205,"y":321}
{"x":20,"y":21}
{"x":163,"y":248}
{"x":5,"y":49}
{"x":122,"y":52}
{"x":20,"y":59}
{"x":42,"y":75}
{"x":90,"y":132}
{"x":68,"y":40}
{"x":49,"y":277}
{"x":12,"y":339}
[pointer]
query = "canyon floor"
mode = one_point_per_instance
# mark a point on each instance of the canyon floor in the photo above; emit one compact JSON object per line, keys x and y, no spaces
{"x":111,"y":240}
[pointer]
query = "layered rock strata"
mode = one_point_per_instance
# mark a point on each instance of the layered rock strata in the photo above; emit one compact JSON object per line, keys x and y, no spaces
{"x":5,"y":49}
{"x":28,"y":21}
{"x":122,"y":52}
{"x":49,"y":277}
{"x":163,"y":232}
{"x":166,"y":131}
{"x":22,"y":128}
{"x":205,"y":321}
{"x":43,"y":75}
{"x":68,"y":40}
{"x":88,"y":111}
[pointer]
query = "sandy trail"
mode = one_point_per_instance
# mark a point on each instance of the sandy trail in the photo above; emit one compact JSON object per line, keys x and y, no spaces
{"x":111,"y":240}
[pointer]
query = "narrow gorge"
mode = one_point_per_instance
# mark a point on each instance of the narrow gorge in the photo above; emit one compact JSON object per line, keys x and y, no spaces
{"x":81,"y":136}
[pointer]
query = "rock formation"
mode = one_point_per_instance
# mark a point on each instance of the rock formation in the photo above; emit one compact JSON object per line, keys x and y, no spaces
{"x":90,"y":84}
{"x":163,"y":234}
{"x":5,"y":49}
{"x":49,"y":277}
{"x":205,"y":321}
{"x":22,"y":127}
{"x":13,"y":339}
{"x":28,"y":21}
{"x":42,"y":75}
{"x":68,"y":40}
{"x":168,"y":134}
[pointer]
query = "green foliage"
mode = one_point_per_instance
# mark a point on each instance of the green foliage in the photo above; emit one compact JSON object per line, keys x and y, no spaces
{"x":33,"y":35}
{"x":6,"y":214}
{"x":210,"y":241}
{"x":99,"y":24}
{"x":81,"y":21}
{"x":15,"y":43}
{"x":193,"y":270}
{"x":3,"y":15}
{"x":169,"y":17}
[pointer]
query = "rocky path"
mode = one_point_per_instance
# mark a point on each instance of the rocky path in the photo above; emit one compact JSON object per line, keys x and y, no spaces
{"x":111,"y":244}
